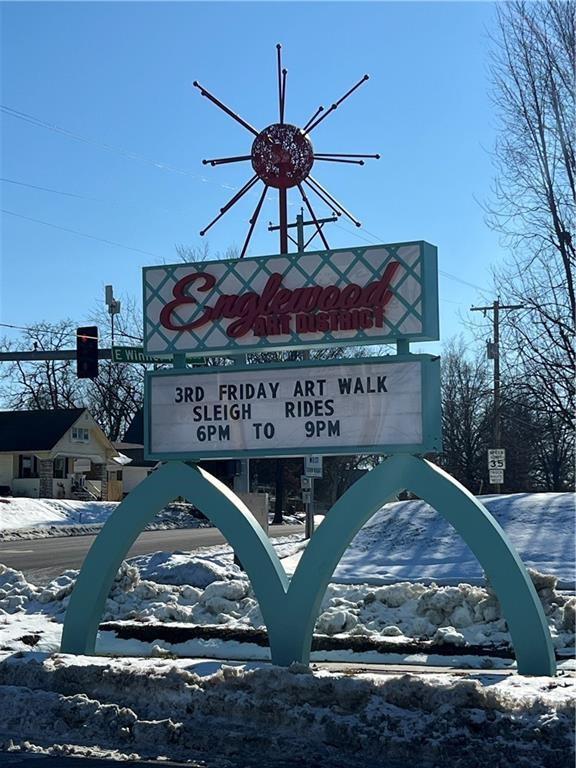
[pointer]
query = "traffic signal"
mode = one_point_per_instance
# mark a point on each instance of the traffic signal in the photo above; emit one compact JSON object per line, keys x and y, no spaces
{"x":87,"y":352}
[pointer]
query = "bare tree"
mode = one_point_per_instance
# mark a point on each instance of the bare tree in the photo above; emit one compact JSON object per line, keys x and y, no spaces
{"x":43,"y":384}
{"x":535,"y":194}
{"x":466,"y":416}
{"x":117,"y":394}
{"x":113,"y":397}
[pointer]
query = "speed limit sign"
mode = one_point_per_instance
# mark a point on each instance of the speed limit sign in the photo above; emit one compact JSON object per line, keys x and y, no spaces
{"x":496,"y":458}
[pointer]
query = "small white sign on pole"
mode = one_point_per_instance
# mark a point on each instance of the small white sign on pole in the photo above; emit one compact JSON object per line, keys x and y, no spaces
{"x":496,"y":476}
{"x":313,"y":466}
{"x":496,"y":458}
{"x":305,"y":483}
{"x":307,"y":497}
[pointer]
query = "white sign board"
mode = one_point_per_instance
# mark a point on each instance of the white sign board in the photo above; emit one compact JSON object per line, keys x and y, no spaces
{"x":369,"y":405}
{"x":305,"y":483}
{"x":496,"y":458}
{"x":496,"y":476}
{"x":307,"y":497}
{"x":313,"y":466}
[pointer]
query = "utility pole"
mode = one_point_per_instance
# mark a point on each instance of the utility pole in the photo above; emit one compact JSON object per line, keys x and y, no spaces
{"x":494,"y":354}
{"x":300,"y":244}
{"x":113,"y":308}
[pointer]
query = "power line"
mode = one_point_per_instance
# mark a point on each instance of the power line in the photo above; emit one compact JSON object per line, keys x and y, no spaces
{"x":32,"y":120}
{"x":17,"y":327}
{"x":38,"y":123}
{"x":107,"y":201}
{"x":378,"y":240}
{"x":80,"y":234}
{"x":46,"y":189}
{"x":38,"y":329}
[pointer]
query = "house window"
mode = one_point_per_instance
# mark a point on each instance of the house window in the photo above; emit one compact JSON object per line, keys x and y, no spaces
{"x":80,"y":435}
{"x":60,"y":467}
{"x":28,"y":467}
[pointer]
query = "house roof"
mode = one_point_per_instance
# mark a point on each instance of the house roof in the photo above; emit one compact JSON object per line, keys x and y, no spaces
{"x":35,"y":430}
{"x":135,"y":432}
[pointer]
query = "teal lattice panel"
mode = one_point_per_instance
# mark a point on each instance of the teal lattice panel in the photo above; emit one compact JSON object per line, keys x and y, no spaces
{"x":371,"y":295}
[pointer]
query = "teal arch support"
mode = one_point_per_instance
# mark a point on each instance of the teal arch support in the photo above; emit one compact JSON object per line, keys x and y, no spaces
{"x":216,"y":501}
{"x":508,"y":577}
{"x":290,"y":609}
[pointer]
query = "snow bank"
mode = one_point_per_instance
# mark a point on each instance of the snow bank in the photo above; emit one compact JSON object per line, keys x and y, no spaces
{"x":42,"y":518}
{"x":410,"y":540}
{"x":17,"y":512}
{"x":237,"y":716}
{"x":192,"y":591}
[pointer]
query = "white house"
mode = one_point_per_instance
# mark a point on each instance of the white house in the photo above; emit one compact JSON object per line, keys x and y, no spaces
{"x":132,"y":446}
{"x":57,"y":454}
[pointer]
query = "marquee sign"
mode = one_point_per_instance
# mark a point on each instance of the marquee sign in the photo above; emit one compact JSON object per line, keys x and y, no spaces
{"x":370,"y":295}
{"x":367,"y":405}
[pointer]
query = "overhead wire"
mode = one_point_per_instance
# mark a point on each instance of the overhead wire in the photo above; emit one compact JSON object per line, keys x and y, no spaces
{"x":378,"y":241}
{"x":80,"y":234}
{"x":46,"y":189}
{"x":39,"y":123}
{"x":39,"y":329}
{"x":31,"y":119}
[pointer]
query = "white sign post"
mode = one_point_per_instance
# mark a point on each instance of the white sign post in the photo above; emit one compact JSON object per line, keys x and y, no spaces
{"x":496,"y":476}
{"x":312,"y":469}
{"x":369,"y":405}
{"x":313,"y":466}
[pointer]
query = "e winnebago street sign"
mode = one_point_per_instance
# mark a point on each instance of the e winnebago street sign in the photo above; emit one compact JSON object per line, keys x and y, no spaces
{"x":366,"y":405}
{"x":137,"y":355}
{"x":367,"y":295}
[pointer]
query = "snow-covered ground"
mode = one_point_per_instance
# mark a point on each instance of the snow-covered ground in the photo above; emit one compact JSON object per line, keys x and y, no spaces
{"x":41,"y":518}
{"x":26,"y":519}
{"x":166,"y":597}
{"x":410,"y":540}
{"x":165,"y":605}
{"x":223,"y":715}
{"x":19,"y":512}
{"x":403,"y":541}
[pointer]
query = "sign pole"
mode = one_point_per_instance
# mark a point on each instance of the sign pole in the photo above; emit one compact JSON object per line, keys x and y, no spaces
{"x":305,"y":356}
{"x":242,"y":479}
{"x":310,"y":512}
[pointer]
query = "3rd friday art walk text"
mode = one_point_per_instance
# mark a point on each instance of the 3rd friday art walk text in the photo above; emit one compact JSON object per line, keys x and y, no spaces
{"x":294,"y":410}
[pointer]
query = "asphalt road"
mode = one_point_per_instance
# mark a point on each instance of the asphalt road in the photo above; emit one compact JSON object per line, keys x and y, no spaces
{"x":41,"y":560}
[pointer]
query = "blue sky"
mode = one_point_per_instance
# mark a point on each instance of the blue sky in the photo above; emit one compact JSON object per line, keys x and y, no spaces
{"x":120,"y":74}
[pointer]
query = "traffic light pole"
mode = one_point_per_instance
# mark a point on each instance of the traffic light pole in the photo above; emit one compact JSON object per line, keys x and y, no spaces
{"x":58,"y":354}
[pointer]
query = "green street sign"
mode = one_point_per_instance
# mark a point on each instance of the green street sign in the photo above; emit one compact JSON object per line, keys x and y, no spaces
{"x":137,"y":355}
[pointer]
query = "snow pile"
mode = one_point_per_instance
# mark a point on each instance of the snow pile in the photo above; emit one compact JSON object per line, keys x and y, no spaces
{"x":410,"y":540}
{"x":49,"y":531}
{"x":192,"y":591}
{"x":151,"y":709}
{"x":198,"y":570}
{"x":182,"y":568}
{"x":460,"y":615}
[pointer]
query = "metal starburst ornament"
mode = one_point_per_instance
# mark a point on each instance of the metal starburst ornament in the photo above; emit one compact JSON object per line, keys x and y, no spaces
{"x":282,"y":157}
